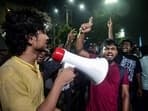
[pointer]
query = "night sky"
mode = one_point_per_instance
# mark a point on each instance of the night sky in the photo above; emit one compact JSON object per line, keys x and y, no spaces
{"x":129,"y":14}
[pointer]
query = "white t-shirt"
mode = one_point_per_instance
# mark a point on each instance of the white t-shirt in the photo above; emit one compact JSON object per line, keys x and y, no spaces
{"x":144,"y":65}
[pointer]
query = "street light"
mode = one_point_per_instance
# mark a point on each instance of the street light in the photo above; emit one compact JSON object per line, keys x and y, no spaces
{"x":56,"y":11}
{"x":68,"y":9}
{"x":82,"y":6}
{"x":111,"y":7}
{"x":67,"y":16}
{"x":110,"y":1}
{"x":55,"y":21}
{"x":71,"y":1}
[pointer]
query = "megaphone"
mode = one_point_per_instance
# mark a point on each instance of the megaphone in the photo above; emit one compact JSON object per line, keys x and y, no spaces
{"x":95,"y":68}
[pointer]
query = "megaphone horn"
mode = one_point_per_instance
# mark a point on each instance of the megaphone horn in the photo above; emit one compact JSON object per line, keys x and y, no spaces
{"x":95,"y":68}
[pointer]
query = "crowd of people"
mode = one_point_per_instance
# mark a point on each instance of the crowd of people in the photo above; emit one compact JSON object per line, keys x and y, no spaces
{"x":30,"y":80}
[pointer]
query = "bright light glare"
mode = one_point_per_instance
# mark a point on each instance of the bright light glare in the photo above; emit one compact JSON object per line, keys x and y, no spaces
{"x":82,"y":7}
{"x":110,"y":1}
{"x":71,"y":1}
{"x":122,"y":33}
{"x":8,"y":10}
{"x":56,"y":11}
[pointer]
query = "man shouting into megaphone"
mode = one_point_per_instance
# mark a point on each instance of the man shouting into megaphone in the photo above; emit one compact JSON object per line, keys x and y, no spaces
{"x":113,"y":93}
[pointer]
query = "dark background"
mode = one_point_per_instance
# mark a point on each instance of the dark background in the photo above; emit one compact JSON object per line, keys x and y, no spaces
{"x":128,"y":14}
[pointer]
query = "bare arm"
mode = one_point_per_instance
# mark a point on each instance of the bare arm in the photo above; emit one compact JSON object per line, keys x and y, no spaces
{"x":86,"y":27}
{"x":64,"y":76}
{"x":139,"y":91}
{"x":125,"y":97}
{"x":79,"y":46}
{"x":70,"y":39}
{"x":110,"y":29}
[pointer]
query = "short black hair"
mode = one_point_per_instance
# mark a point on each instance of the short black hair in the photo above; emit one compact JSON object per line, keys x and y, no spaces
{"x":127,"y":40}
{"x":105,"y":43}
{"x":19,"y":24}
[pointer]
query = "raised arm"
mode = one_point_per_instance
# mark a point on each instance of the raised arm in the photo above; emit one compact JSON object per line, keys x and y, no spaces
{"x":70,"y":39}
{"x":85,"y":28}
{"x":110,"y":29}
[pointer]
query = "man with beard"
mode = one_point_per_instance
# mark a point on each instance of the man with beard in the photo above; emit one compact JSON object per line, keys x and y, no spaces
{"x":127,"y":60}
{"x":104,"y":96}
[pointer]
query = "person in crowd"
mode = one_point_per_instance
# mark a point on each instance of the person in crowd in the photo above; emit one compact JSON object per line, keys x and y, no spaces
{"x":75,"y":96}
{"x":48,"y":68}
{"x":21,"y":83}
{"x":105,"y":96}
{"x":144,"y":65}
{"x":70,"y":40}
{"x":127,"y":60}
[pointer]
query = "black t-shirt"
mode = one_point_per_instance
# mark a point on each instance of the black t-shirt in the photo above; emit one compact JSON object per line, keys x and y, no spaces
{"x":131,"y":63}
